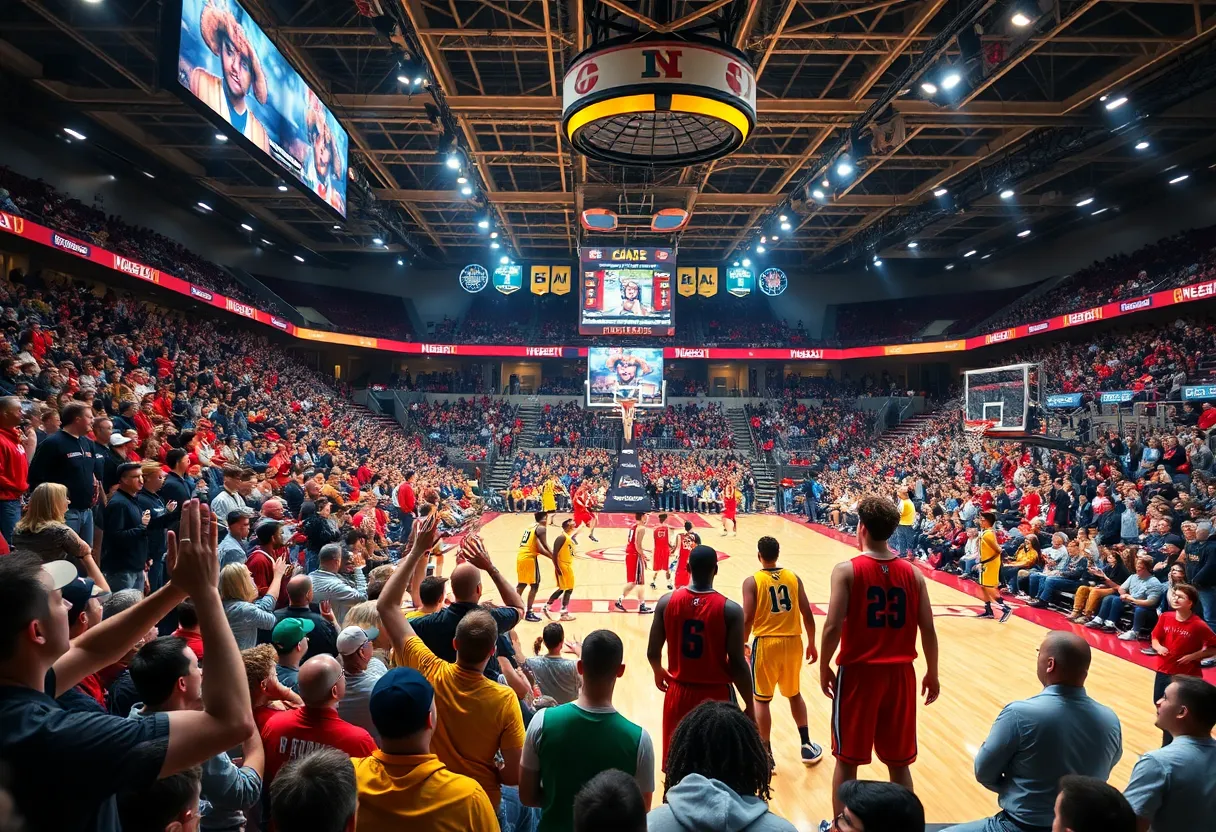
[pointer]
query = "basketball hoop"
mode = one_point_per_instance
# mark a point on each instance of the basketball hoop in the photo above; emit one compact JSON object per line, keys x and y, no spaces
{"x":974,"y":432}
{"x":627,"y":406}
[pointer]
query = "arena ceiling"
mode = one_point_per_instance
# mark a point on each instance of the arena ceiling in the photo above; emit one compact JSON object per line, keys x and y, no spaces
{"x":820,"y":65}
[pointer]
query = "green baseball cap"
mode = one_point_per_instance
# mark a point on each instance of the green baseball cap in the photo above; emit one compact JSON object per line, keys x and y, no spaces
{"x":290,"y":631}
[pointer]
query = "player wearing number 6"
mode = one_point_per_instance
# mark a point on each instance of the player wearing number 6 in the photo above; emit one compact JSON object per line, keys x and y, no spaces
{"x":878,"y":602}
{"x":703,"y":631}
{"x":775,"y":609}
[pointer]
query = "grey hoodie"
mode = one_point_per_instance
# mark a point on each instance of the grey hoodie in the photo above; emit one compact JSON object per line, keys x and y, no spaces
{"x":699,"y":803}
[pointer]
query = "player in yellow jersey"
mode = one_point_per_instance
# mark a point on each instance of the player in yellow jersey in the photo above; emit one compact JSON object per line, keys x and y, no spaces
{"x":527,"y":567}
{"x":563,"y":550}
{"x":548,"y":498}
{"x":990,"y":568}
{"x":775,"y":610}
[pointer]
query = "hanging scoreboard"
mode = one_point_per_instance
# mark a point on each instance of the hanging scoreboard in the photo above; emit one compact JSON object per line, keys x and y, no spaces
{"x":626,"y":291}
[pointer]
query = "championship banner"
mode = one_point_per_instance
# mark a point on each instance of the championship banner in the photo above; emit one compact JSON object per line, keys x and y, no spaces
{"x":560,"y":282}
{"x":707,"y":281}
{"x":686,"y":281}
{"x":540,"y":280}
{"x":509,"y":278}
{"x":739,"y":281}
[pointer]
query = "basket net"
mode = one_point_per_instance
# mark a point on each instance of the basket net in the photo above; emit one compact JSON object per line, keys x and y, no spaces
{"x":975,"y":431}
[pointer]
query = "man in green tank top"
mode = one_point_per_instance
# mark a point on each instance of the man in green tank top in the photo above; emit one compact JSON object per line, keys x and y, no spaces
{"x":568,"y":745}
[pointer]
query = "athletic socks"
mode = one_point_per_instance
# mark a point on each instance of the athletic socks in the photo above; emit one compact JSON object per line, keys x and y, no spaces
{"x":804,"y":734}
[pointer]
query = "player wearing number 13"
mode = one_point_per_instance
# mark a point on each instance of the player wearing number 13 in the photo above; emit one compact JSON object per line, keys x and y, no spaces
{"x":703,"y":631}
{"x":878,"y":602}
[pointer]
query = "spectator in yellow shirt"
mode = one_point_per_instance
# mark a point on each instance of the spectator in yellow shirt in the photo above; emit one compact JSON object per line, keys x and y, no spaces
{"x":478,"y":719}
{"x":402,"y":785}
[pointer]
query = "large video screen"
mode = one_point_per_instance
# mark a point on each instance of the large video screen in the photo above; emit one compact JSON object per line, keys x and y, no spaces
{"x":611,"y":368}
{"x":626,"y":291}
{"x":226,"y":63}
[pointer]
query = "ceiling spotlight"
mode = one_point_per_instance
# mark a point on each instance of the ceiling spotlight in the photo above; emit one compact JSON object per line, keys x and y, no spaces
{"x":453,"y":161}
{"x":940,"y":192}
{"x":400,"y":262}
{"x":1087,"y":201}
{"x":844,"y":167}
{"x":504,"y":260}
{"x":1020,"y":19}
{"x":970,"y":253}
{"x":1181,"y":178}
{"x":462,"y":180}
{"x":298,"y":257}
{"x":282,"y":187}
{"x":1141,"y":145}
{"x":75,"y":134}
{"x":1099,"y":211}
{"x":220,"y":137}
{"x":149,"y":175}
{"x":783,"y":218}
{"x":337,"y":227}
{"x":928,"y":88}
{"x":403,"y":79}
{"x":204,"y":206}
{"x":746,"y":262}
{"x":1116,"y":103}
{"x":378,"y":241}
{"x":494,"y":245}
{"x":877,"y":262}
{"x":949,"y":266}
{"x":775,"y":238}
{"x":246,"y":226}
{"x":764,"y":239}
{"x":826,"y":182}
{"x":493,"y":235}
{"x":267,"y":242}
{"x":1006,"y":194}
{"x":760,"y":249}
{"x":818,"y":194}
{"x":483,"y":224}
{"x":466,"y":190}
{"x":735,"y":264}
{"x":913,"y":244}
{"x":986,"y":256}
{"x":785,"y":226}
{"x":951,"y":79}
{"x":418,"y":79}
{"x":1024,"y":232}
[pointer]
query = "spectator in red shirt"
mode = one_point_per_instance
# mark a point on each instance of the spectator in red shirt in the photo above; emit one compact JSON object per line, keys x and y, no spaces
{"x":406,"y":503}
{"x":291,"y":734}
{"x":16,"y":448}
{"x":187,"y":627}
{"x":1182,"y":640}
{"x":1207,"y":416}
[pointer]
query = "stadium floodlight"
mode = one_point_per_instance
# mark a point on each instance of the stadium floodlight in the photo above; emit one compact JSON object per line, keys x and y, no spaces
{"x":913,"y":244}
{"x":400,"y":262}
{"x":462,"y":180}
{"x":1099,"y":211}
{"x":760,"y":249}
{"x":298,"y":257}
{"x":949,"y":266}
{"x":939,"y":192}
{"x":75,"y":134}
{"x":986,"y":256}
{"x":1087,"y":201}
{"x":466,"y":190}
{"x":267,"y":242}
{"x":493,"y":235}
{"x":220,"y":137}
{"x":970,"y":253}
{"x":1180,"y":178}
{"x":1007,"y":194}
{"x":818,"y":194}
{"x":747,"y":262}
{"x":337,"y":227}
{"x":1116,"y":102}
{"x":246,"y":226}
{"x":928,"y":88}
{"x":379,"y":241}
{"x":1024,"y":232}
{"x":483,"y":224}
{"x":1142,"y":145}
{"x":453,"y":160}
{"x":494,"y":244}
{"x":951,"y":79}
{"x":735,"y":264}
{"x":1020,"y":19}
{"x":785,"y":226}
{"x":282,"y":186}
{"x":826,"y":182}
{"x":504,"y":260}
{"x":844,"y":166}
{"x":205,"y":206}
{"x":783,"y":218}
{"x":149,"y":175}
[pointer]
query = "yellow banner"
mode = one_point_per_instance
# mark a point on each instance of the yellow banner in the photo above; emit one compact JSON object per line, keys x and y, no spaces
{"x":560,"y":283}
{"x":540,"y":280}
{"x":707,"y":281}
{"x":686,"y":281}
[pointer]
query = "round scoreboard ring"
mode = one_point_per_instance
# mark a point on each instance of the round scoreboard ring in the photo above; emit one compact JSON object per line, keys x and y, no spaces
{"x":659,"y":101}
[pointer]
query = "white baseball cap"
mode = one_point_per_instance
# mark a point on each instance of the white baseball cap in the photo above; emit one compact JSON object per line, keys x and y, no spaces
{"x":352,"y":638}
{"x":62,"y":573}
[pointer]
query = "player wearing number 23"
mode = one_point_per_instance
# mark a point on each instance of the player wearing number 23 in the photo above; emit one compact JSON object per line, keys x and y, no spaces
{"x":878,"y":602}
{"x":703,"y":632}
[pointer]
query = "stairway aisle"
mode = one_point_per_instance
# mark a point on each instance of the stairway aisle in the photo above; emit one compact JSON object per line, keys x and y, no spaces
{"x":500,"y":474}
{"x":766,"y":486}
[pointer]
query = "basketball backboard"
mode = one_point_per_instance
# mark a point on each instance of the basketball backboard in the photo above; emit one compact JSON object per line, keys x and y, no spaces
{"x":1000,"y":398}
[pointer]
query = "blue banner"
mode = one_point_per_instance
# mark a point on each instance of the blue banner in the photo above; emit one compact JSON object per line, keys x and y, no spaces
{"x":739,"y":281}
{"x":1064,"y":400}
{"x":509,"y":278}
{"x":1199,"y":391}
{"x":1116,"y":396}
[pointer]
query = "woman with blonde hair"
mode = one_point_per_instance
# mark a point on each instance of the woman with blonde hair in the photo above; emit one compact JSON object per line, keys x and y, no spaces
{"x":41,"y":530}
{"x":364,"y":615}
{"x":246,"y":612}
{"x":1107,"y":580}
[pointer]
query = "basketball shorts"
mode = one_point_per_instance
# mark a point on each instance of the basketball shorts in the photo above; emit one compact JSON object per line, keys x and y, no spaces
{"x":662,"y":563}
{"x":527,"y":570}
{"x":729,"y":513}
{"x":682,"y":577}
{"x":565,"y":578}
{"x":582,"y":517}
{"x":776,"y":664}
{"x":635,"y":569}
{"x":680,"y":699}
{"x":990,"y":573}
{"x":875,"y":710}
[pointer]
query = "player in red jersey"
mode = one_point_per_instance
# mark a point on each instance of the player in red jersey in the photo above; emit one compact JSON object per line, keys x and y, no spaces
{"x":584,"y":515}
{"x":703,"y":631}
{"x":662,"y":552}
{"x":685,"y":543}
{"x":729,"y":507}
{"x":878,"y":602}
{"x":635,"y":565}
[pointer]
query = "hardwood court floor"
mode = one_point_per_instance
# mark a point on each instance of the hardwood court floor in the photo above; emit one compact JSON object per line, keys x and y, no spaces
{"x":983,"y":665}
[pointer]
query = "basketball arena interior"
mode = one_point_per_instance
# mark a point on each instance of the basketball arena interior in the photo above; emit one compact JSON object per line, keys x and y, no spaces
{"x":583,"y":415}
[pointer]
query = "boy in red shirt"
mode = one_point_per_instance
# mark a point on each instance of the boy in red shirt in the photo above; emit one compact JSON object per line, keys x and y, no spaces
{"x":1182,"y":640}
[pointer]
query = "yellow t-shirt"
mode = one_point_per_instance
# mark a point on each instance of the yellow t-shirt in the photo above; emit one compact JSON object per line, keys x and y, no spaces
{"x":907,"y":513}
{"x":527,"y":546}
{"x":395,"y":789}
{"x":776,"y":604}
{"x":989,"y":548}
{"x":476,"y":717}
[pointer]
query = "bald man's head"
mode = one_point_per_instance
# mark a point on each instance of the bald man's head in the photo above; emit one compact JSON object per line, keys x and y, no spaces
{"x":466,"y":583}
{"x":1064,"y":659}
{"x":321,"y":681}
{"x":299,"y":590}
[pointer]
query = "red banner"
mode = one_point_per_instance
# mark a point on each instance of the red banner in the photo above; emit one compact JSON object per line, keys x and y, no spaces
{"x":133,"y":268}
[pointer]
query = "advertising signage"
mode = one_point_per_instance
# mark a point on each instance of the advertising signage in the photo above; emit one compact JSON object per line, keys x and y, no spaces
{"x":34,"y":232}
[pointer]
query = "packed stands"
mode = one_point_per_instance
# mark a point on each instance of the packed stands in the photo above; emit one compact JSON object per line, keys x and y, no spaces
{"x":484,"y":422}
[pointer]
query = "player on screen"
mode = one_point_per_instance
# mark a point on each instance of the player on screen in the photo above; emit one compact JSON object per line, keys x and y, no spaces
{"x":628,"y":368}
{"x":324,"y":166}
{"x":242,"y":73}
{"x":631,"y":299}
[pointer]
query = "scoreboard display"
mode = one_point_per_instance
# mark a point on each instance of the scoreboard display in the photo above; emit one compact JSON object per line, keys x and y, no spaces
{"x":626,"y":291}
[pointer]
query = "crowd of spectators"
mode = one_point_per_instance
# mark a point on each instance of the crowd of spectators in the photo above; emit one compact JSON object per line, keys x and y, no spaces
{"x":805,"y":434}
{"x":39,"y":201}
{"x":349,"y":310}
{"x":474,"y":421}
{"x":465,"y":380}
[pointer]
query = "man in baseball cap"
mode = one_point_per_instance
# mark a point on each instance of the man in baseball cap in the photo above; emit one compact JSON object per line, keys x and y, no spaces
{"x":290,"y":640}
{"x":362,"y":671}
{"x":402,"y":780}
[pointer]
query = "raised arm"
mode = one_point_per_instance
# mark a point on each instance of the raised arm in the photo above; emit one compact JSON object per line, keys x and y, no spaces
{"x":474,"y":551}
{"x":838,"y":607}
{"x":396,"y":627}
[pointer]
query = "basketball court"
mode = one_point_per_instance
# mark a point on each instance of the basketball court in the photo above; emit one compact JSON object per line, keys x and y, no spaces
{"x":984,"y":665}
